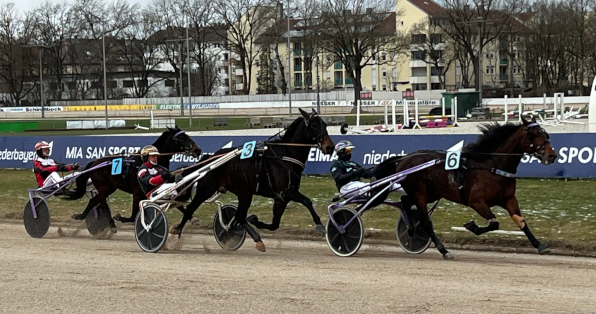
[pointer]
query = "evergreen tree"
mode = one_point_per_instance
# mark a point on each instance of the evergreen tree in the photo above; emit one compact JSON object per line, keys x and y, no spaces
{"x":266,"y":75}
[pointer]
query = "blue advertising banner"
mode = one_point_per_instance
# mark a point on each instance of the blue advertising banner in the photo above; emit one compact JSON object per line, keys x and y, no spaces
{"x":577,"y":151}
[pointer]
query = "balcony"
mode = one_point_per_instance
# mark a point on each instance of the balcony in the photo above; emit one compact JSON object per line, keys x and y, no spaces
{"x":297,"y":83}
{"x":297,"y":52}
{"x":339,"y":82}
{"x":239,"y":86}
{"x":503,"y":61}
{"x":297,"y":67}
{"x":503,"y":77}
{"x":238,"y":72}
{"x":439,"y":46}
{"x":418,"y":47}
{"x":349,"y":81}
{"x":417,"y":64}
{"x":418,"y":80}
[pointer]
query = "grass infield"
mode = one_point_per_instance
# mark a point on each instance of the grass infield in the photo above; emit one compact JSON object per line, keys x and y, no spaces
{"x":558,"y":211}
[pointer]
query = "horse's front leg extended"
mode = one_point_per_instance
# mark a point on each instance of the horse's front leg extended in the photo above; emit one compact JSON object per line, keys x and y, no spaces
{"x":279,"y":207}
{"x":296,"y":196}
{"x":427,"y":226}
{"x":512,"y":207}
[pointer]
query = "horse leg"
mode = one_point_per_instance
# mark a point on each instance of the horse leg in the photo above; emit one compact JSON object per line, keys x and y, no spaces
{"x":94,"y":201}
{"x":106,"y":207}
{"x":296,"y":196}
{"x":193,"y":220}
{"x":136,"y":199}
{"x":483,"y":210}
{"x":201,"y":196}
{"x":427,"y":226}
{"x":279,"y":206}
{"x":243,"y":206}
{"x":512,"y":207}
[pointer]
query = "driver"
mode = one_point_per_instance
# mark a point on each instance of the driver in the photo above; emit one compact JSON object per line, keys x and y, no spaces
{"x":152,"y":177}
{"x":46,"y":168}
{"x":348,"y":173}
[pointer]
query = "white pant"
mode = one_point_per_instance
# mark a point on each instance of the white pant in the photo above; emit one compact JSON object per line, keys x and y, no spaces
{"x":357,"y":184}
{"x":162,"y":188}
{"x":54,"y":178}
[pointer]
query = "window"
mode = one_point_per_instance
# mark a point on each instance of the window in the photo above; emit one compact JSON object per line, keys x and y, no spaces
{"x":490,"y":55}
{"x":53,"y":86}
{"x":170,"y":83}
{"x":436,"y":39}
{"x":436,"y":71}
{"x":142,"y":83}
{"x":71,"y":85}
{"x":298,"y":77}
{"x":394,"y":72}
{"x":225,"y":56}
{"x":384,"y":87}
{"x":328,"y":74}
{"x":384,"y":73}
{"x":112,"y":84}
{"x":383,"y":56}
{"x":490,"y":69}
{"x":96,"y":84}
{"x":418,"y":39}
{"x":517,"y":69}
{"x":418,"y":55}
{"x":435,"y":86}
{"x":127,"y":83}
{"x":296,"y":46}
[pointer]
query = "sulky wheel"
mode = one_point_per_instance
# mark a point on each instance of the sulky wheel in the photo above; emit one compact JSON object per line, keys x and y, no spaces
{"x":232,"y":237}
{"x":38,"y":226}
{"x":97,"y":220}
{"x":415,"y":244}
{"x":152,"y":238}
{"x":349,"y":242}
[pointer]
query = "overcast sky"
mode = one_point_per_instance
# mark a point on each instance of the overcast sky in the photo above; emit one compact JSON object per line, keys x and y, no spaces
{"x":28,"y":5}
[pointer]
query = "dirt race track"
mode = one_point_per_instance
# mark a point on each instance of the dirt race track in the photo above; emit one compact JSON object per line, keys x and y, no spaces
{"x":68,"y":273}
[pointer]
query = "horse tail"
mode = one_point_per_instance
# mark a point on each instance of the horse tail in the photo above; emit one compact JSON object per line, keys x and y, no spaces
{"x":81,"y":188}
{"x":386,"y":168}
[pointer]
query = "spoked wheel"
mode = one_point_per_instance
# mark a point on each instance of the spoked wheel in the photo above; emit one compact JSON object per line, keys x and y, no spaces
{"x":37,"y":227}
{"x":415,"y":244}
{"x":152,"y":238}
{"x":97,"y":220}
{"x":232,"y":237}
{"x":349,"y":242}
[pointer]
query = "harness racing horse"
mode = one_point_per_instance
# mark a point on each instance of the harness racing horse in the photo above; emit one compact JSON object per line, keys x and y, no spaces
{"x":274,"y":172}
{"x":485,"y":177}
{"x":171,"y":141}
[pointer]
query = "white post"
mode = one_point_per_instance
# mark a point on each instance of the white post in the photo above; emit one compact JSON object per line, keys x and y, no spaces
{"x":151,"y":123}
{"x":562,"y":106}
{"x":386,"y":123}
{"x":506,"y":111}
{"x":358,"y":114}
{"x":393,"y":115}
{"x":544,"y":101}
{"x":416,"y":124}
{"x":454,"y":108}
{"x":592,"y":109}
{"x":520,"y":108}
{"x":406,"y":114}
{"x":443,"y":106}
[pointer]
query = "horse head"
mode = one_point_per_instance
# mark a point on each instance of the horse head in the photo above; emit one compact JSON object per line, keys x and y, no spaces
{"x":180,"y":141}
{"x":316,"y":130}
{"x":537,"y":143}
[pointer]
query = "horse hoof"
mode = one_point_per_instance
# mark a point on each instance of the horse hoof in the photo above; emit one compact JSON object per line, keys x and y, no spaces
{"x":252,"y":218}
{"x":543,"y":249}
{"x":447,"y":256}
{"x":194,"y":220}
{"x":114,"y":230}
{"x":320,"y":229}
{"x":260,"y":246}
{"x":175,"y":230}
{"x":77,"y":217}
{"x":117,"y":217}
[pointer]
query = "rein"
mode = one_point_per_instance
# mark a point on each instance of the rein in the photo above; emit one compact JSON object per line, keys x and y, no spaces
{"x":290,"y":144}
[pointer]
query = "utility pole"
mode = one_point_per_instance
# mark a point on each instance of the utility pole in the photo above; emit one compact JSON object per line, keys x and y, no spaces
{"x":105,"y":90}
{"x":289,"y":69}
{"x":188,"y":83}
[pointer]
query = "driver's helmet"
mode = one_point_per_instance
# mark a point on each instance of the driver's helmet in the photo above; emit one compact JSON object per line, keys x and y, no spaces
{"x":42,"y":149}
{"x":147,"y":151}
{"x":344,"y":147}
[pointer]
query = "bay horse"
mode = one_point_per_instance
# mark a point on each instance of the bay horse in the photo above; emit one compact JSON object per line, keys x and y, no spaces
{"x":274,"y":172}
{"x":485,"y":178}
{"x":171,"y":141}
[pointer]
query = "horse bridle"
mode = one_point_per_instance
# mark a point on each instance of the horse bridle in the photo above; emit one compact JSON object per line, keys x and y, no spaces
{"x":181,"y":143}
{"x":323,"y":131}
{"x":540,"y":149}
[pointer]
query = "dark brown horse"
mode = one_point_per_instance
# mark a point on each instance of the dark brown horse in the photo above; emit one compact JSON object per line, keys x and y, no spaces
{"x":274,"y":172}
{"x":171,"y":141}
{"x":485,"y":177}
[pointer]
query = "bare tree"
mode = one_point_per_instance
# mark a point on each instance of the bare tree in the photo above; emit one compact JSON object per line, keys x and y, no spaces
{"x":245,"y":20}
{"x":357,"y":33}
{"x":15,"y":60}
{"x":428,"y":40}
{"x":474,"y":24}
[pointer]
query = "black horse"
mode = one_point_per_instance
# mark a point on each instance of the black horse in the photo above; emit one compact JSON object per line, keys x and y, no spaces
{"x":171,"y":141}
{"x":485,"y":177}
{"x":274,"y":172}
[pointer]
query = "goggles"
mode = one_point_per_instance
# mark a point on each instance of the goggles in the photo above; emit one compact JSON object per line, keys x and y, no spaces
{"x":348,"y":150}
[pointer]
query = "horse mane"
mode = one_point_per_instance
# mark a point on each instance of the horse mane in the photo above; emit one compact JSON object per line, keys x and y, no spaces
{"x":161,"y":140}
{"x":493,"y":135}
{"x":291,"y":130}
{"x":386,"y":167}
